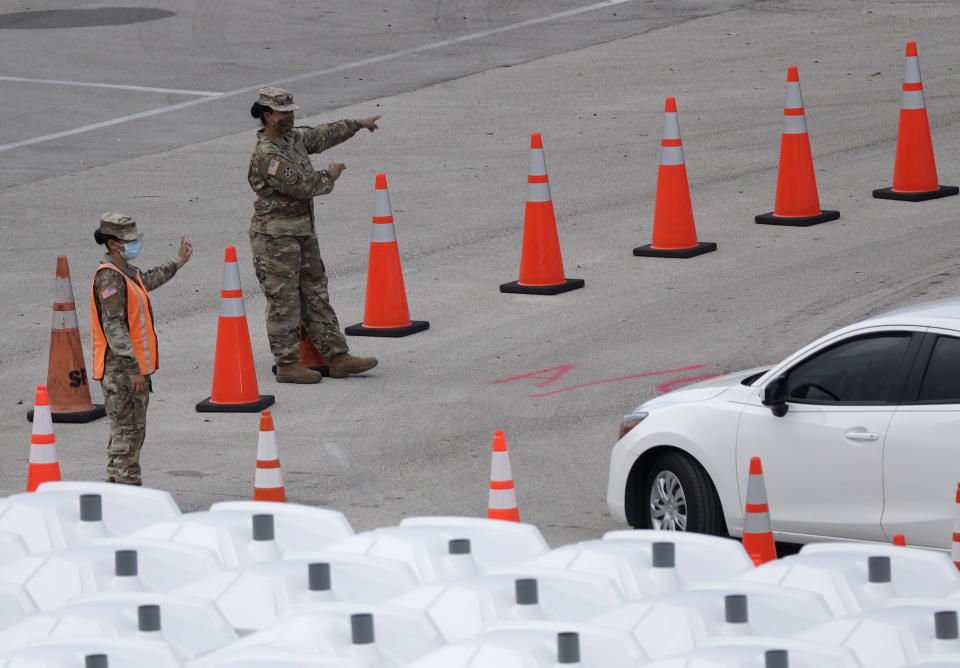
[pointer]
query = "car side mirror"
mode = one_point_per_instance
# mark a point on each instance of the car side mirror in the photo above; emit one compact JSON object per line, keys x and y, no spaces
{"x":773,"y":396}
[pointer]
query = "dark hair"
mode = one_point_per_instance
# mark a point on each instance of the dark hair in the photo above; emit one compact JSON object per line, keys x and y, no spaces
{"x":258,"y":110}
{"x":102,"y":238}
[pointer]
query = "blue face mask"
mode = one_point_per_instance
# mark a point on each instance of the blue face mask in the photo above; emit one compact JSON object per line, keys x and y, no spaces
{"x":131,"y":250}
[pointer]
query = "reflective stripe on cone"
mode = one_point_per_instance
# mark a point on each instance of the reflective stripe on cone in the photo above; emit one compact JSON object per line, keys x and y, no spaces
{"x":502,"y":504}
{"x":757,"y":531}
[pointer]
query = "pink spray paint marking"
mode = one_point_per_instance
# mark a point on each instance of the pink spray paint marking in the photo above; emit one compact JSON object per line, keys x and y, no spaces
{"x":669,"y":385}
{"x":560,"y":370}
{"x":616,"y":380}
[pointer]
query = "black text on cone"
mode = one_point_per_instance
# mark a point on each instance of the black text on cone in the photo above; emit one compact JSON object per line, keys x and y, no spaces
{"x":386,"y":312}
{"x":235,"y":387}
{"x":541,"y":264}
{"x":67,"y":385}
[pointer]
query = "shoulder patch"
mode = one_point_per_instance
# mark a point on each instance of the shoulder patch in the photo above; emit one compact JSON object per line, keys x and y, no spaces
{"x":108,"y":292}
{"x":274,"y":166}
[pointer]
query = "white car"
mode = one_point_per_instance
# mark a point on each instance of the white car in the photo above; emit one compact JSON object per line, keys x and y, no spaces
{"x":858,"y":433}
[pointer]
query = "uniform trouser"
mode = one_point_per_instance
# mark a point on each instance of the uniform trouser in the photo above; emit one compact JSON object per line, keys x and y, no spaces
{"x":294,"y":281}
{"x":127,"y":411}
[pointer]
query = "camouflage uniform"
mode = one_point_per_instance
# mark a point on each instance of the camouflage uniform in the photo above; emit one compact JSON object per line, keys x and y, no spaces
{"x":127,"y":409}
{"x":286,"y":254}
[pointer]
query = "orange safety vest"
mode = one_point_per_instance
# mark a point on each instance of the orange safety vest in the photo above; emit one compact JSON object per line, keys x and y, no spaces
{"x":139,"y":323}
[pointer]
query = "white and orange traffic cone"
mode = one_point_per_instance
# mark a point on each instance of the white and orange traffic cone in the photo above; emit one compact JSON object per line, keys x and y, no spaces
{"x":43,"y":466}
{"x":757,"y":531}
{"x":235,"y":388}
{"x":67,"y":385}
{"x":502,"y":504}
{"x":268,"y":480}
{"x":674,"y":234}
{"x":914,"y":170}
{"x":385,"y":312}
{"x":955,"y":547}
{"x":900,"y":539}
{"x":541,"y":264}
{"x":797,"y":202}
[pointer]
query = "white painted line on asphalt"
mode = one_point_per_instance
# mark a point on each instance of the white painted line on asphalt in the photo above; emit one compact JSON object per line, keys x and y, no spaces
{"x":87,"y":84}
{"x":310,"y":75}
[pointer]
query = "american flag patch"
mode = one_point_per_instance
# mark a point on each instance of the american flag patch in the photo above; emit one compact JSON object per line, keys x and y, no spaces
{"x":108,"y":292}
{"x":274,"y":166}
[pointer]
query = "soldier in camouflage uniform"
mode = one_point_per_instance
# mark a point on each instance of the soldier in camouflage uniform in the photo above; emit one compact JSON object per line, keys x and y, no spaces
{"x":124,"y":340}
{"x":286,"y":254}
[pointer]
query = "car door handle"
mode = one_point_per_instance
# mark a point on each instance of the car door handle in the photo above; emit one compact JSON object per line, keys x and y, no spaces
{"x":859,"y":435}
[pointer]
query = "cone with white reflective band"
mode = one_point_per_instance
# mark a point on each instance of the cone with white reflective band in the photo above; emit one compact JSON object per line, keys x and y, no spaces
{"x":310,"y":357}
{"x":235,"y":387}
{"x":43,"y":466}
{"x":385,"y":312}
{"x":268,"y":480}
{"x":757,"y":531}
{"x":955,"y":547}
{"x":66,"y":371}
{"x":674,"y":234}
{"x":797,"y":202}
{"x":541,"y":264}
{"x":915,"y":170}
{"x":503,"y":497}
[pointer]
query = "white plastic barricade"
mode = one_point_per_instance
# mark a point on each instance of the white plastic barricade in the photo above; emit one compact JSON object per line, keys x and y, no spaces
{"x":854,"y":577}
{"x":762,"y":652}
{"x":905,"y":631}
{"x":277,"y":658}
{"x":462,"y":608}
{"x":379,"y":634}
{"x":116,"y":564}
{"x":699,"y":557}
{"x":494,"y":543}
{"x":190,"y":627}
{"x":440,"y":552}
{"x":12,"y":547}
{"x":254,"y":597}
{"x":684,"y":621}
{"x":126,"y":508}
{"x":119,"y":652}
{"x":538,"y":644}
{"x":254,"y":532}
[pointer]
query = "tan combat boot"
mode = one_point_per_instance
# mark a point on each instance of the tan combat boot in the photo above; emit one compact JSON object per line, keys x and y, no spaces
{"x":297,"y":373}
{"x":344,"y":364}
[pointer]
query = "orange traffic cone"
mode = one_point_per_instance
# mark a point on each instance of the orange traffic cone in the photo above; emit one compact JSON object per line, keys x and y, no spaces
{"x":541,"y":265}
{"x":797,"y":202}
{"x":386,"y":312}
{"x":503,"y":497}
{"x":674,"y":234}
{"x":900,"y":539}
{"x":234,"y":377}
{"x":43,"y":466}
{"x":914,"y":170}
{"x":268,"y":480}
{"x":66,"y":372}
{"x":955,"y":548}
{"x":310,"y":357}
{"x":757,"y":532}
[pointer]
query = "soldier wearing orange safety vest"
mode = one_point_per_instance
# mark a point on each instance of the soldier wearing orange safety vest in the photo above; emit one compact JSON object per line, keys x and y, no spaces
{"x":125,"y":349}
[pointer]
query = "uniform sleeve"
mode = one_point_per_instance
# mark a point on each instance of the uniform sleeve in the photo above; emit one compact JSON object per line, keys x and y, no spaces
{"x":286,"y":177}
{"x":110,"y":292}
{"x":324,"y":136}
{"x":154,"y":278}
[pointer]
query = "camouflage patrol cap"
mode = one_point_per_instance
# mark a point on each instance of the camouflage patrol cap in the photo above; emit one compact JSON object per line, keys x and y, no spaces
{"x":120,"y":226}
{"x":278,"y":99}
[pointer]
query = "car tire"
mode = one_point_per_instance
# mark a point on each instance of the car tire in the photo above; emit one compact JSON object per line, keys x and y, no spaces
{"x":678,"y":495}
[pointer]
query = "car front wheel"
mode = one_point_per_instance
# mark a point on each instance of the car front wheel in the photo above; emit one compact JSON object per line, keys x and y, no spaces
{"x":677,"y":495}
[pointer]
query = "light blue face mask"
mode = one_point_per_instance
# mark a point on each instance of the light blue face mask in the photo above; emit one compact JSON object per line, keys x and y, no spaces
{"x":131,"y":250}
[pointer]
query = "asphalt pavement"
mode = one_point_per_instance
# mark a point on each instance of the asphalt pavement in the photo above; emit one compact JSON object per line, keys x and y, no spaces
{"x":146,"y":112}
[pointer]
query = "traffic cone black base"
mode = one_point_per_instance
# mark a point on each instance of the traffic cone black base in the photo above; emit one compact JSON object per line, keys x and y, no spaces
{"x":76,"y":417}
{"x":649,"y":251}
{"x":796,"y":221}
{"x":322,"y":368}
{"x":207,"y":406}
{"x":567,"y":285}
{"x":890,"y":193}
{"x":394,"y":332}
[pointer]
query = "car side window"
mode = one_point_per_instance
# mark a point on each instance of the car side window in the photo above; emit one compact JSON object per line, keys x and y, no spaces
{"x":941,"y":381}
{"x":860,"y":370}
